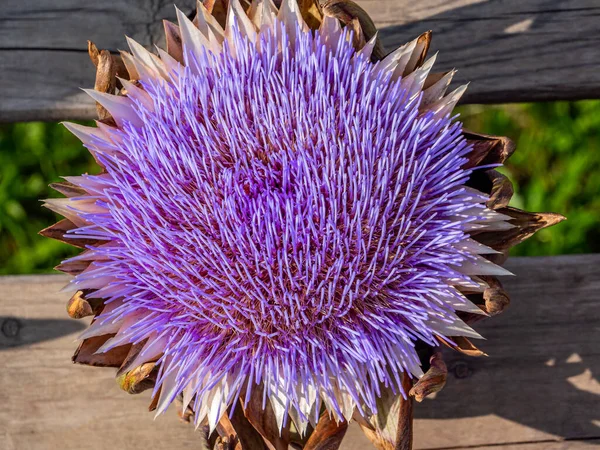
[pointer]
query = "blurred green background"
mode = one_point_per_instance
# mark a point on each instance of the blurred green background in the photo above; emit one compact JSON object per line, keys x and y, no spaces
{"x":557,"y":155}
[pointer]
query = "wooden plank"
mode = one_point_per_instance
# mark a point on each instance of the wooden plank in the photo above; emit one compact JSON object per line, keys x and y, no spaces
{"x":510,"y":50}
{"x":538,"y":387}
{"x":565,"y":445}
{"x":541,"y":379}
{"x":43,"y":51}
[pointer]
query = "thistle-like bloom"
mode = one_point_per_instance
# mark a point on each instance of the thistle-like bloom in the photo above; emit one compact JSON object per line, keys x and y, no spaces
{"x":278,"y":216}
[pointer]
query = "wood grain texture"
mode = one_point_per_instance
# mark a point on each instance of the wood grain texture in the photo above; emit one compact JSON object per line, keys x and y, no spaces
{"x":509,"y":49}
{"x":570,"y":445}
{"x":538,"y":389}
{"x":43,"y":50}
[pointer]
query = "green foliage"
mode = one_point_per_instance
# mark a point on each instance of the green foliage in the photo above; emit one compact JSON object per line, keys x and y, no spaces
{"x":555,"y":168}
{"x":32,"y":155}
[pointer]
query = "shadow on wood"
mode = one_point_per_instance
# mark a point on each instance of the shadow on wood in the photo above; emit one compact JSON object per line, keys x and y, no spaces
{"x":509,"y":50}
{"x":17,"y":331}
{"x":544,"y":366}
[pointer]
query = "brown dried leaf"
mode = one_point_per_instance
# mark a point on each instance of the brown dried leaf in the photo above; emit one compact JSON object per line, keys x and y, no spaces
{"x":134,"y":351}
{"x":218,"y":9}
{"x":391,"y":428}
{"x":60,"y":229}
{"x":419,"y":54}
{"x":433,"y":380}
{"x":174,"y":42}
{"x":433,"y":78}
{"x":105,"y":80}
{"x":359,"y":37}
{"x":209,"y":5}
{"x":328,"y":434}
{"x":311,"y":13}
{"x":119,"y":67}
{"x":68,"y":189}
{"x":186,"y":415}
{"x":367,"y":427}
{"x":154,"y":401}
{"x":463,"y":345}
{"x":85,"y":353}
{"x":265,"y":423}
{"x":492,"y":301}
{"x":224,"y":443}
{"x":501,"y":192}
{"x":227,"y":433}
{"x":495,"y":297}
{"x":493,"y":183}
{"x":240,"y":431}
{"x":73,"y":267}
{"x":350,"y":14}
{"x":526,"y":224}
{"x":488,"y":149}
{"x":78,"y":307}
{"x":129,"y":65}
{"x":93,"y":52}
{"x":139,"y":379}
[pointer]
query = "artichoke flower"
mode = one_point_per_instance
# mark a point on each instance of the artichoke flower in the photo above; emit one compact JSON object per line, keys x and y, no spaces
{"x":288,"y":224}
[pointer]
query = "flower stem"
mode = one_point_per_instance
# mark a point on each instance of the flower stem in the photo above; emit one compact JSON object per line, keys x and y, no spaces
{"x":404,"y":438}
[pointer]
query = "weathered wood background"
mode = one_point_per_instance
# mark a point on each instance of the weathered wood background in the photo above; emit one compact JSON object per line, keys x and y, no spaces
{"x":511,"y":50}
{"x":538,"y":389}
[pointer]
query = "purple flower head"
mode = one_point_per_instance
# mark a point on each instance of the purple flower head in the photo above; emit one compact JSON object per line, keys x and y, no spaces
{"x":279,"y":216}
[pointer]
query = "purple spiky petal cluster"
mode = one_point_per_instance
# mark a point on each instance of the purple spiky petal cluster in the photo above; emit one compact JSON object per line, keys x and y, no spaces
{"x":278,"y":215}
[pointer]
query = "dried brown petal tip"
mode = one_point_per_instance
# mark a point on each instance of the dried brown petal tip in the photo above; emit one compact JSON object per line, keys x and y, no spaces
{"x":463,"y":345}
{"x":488,"y":149}
{"x":59,"y":231}
{"x":209,"y":5}
{"x":127,"y":60}
{"x":434,"y":77}
{"x":78,"y":307}
{"x":218,"y":9}
{"x":187,"y":414}
{"x":105,"y":81}
{"x":174,"y":43}
{"x":68,"y":189}
{"x":73,"y":267}
{"x":495,"y":297}
{"x":391,"y":427}
{"x":526,"y":225}
{"x":350,"y":14}
{"x":311,"y":13}
{"x":154,"y":401}
{"x":265,"y":421}
{"x":93,"y":52}
{"x":134,"y":351}
{"x":139,"y":379}
{"x":328,"y":434}
{"x":238,"y":430}
{"x":86,"y":353}
{"x":419,"y":54}
{"x":501,"y":192}
{"x":433,"y":380}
